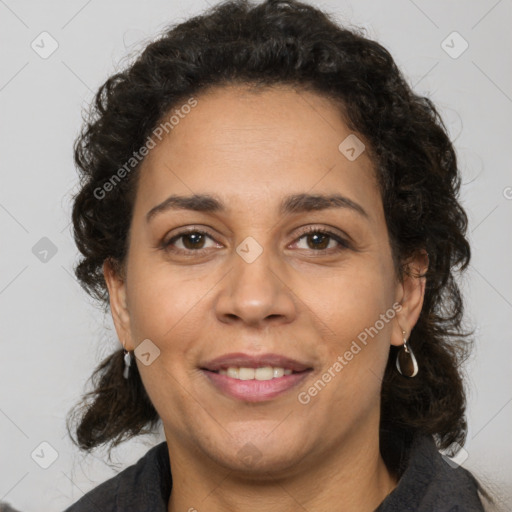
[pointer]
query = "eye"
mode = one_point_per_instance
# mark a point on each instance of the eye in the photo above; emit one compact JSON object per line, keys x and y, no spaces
{"x":320,"y":240}
{"x":192,"y":240}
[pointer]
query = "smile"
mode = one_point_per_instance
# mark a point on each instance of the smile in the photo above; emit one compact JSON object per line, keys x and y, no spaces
{"x":255,"y":384}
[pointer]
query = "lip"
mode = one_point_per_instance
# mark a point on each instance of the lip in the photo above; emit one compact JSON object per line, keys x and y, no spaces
{"x":254,"y":361}
{"x":255,"y":390}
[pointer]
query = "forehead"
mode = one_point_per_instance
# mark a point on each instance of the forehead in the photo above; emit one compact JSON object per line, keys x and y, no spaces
{"x":254,"y":147}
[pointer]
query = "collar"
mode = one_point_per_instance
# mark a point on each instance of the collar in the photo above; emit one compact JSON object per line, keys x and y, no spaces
{"x":430,"y":484}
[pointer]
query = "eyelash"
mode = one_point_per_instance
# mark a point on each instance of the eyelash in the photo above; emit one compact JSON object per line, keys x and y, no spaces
{"x":343,"y":244}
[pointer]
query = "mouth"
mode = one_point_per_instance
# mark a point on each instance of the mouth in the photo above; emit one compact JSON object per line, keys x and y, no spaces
{"x":261,"y":373}
{"x":254,"y":378}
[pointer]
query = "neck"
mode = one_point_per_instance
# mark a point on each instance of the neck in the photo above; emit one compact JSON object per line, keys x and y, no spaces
{"x":352,"y":478}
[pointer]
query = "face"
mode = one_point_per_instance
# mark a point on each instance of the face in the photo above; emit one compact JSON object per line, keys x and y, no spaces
{"x":259,"y":269}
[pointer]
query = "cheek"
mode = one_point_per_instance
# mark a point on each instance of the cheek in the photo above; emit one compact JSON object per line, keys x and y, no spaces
{"x":358,"y":296}
{"x":166,"y":308}
{"x":163,"y":300}
{"x":360,"y":316}
{"x":355,"y":347}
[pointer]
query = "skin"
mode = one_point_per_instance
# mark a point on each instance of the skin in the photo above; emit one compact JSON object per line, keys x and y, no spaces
{"x":251,"y":150}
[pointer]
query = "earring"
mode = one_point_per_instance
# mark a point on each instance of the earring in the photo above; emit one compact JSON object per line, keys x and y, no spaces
{"x":127,"y":362}
{"x":405,"y":359}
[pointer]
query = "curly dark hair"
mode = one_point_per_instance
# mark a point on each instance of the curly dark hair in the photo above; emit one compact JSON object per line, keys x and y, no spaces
{"x":286,"y":42}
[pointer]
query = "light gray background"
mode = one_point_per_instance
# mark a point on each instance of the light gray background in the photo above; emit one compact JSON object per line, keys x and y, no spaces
{"x":52,"y":336}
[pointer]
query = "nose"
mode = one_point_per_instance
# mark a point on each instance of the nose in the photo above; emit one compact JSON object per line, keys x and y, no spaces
{"x":256,"y":293}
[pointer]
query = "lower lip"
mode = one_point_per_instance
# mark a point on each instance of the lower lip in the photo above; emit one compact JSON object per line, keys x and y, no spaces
{"x":255,"y":390}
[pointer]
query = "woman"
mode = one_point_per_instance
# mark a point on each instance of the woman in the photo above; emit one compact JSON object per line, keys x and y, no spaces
{"x":271,"y":214}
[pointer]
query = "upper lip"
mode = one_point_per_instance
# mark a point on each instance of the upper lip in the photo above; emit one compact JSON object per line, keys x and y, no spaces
{"x":254,"y":361}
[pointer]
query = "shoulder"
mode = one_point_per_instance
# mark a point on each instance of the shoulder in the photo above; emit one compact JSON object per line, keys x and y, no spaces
{"x":149,"y":479}
{"x":431,"y":482}
{"x":454,"y":484}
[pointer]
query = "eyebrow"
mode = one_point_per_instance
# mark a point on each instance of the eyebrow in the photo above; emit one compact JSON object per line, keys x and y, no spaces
{"x":296,"y":203}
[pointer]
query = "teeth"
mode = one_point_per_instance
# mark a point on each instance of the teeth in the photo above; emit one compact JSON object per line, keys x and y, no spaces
{"x":263,"y":373}
{"x":278,"y":372}
{"x":232,"y":372}
{"x":246,"y":373}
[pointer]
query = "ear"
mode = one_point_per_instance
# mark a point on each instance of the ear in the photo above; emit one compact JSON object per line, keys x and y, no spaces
{"x":116,"y":284}
{"x":410,"y":292}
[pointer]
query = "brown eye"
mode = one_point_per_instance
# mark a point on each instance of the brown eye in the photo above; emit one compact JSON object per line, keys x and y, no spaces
{"x":322,"y":240}
{"x":191,"y":241}
{"x":318,"y":240}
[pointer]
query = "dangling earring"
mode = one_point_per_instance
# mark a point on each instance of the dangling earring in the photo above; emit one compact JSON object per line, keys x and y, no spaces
{"x":127,"y":362}
{"x":405,"y":359}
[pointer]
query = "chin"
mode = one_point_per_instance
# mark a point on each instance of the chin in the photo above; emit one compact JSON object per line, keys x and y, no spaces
{"x":258,"y":458}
